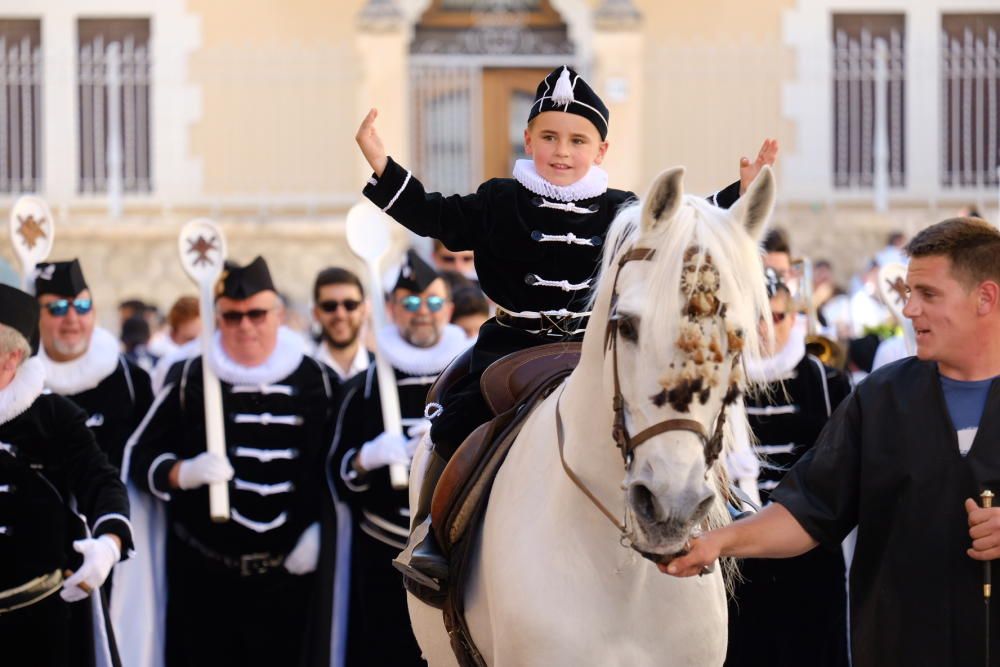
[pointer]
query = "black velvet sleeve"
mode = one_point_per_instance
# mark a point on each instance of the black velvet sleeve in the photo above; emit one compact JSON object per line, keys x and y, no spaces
{"x":457,"y":221}
{"x":822,"y":489}
{"x":99,"y":492}
{"x":727,"y":196}
{"x":152,"y":455}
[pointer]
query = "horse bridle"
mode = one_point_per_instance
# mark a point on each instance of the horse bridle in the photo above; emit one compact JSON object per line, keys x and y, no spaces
{"x":619,"y":430}
{"x":626,"y":443}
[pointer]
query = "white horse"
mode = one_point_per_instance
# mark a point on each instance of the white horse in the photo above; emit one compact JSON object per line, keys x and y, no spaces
{"x":554,"y":582}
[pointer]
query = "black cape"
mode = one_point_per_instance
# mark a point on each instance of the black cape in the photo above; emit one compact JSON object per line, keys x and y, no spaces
{"x":888,"y":461}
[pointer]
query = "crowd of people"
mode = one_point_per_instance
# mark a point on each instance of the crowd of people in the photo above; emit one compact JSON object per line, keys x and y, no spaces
{"x":310,"y":566}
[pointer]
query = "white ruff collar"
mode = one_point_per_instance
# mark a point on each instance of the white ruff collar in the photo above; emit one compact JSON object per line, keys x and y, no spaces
{"x":594,"y":184}
{"x":781,"y":365}
{"x":20,"y":394}
{"x":70,"y":378}
{"x":285,"y":358}
{"x":413,"y":360}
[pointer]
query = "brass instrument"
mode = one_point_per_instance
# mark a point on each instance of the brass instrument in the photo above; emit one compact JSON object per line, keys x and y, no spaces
{"x":827,"y":350}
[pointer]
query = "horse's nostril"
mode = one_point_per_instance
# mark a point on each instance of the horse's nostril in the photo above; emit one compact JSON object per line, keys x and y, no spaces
{"x":644,"y":503}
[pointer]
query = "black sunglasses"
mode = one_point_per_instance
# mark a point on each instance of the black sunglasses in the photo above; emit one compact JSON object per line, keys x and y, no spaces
{"x":60,"y":307}
{"x":331,"y":305}
{"x":234,"y":317}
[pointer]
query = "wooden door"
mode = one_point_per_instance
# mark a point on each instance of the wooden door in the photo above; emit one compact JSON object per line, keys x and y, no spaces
{"x":507,"y":98}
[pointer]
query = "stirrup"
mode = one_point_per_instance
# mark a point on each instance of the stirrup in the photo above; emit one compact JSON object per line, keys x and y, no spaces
{"x":404,"y":562}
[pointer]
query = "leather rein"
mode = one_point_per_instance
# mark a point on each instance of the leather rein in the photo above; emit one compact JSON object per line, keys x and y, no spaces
{"x":626,"y":443}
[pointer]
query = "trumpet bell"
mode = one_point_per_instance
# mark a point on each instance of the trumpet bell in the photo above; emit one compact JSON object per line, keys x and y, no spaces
{"x":828,"y":351}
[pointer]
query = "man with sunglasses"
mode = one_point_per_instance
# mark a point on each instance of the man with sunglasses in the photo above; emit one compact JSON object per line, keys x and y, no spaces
{"x":340,"y":308}
{"x":419,"y":344}
{"x":789,"y":612}
{"x":83,"y":361}
{"x":248,"y":591}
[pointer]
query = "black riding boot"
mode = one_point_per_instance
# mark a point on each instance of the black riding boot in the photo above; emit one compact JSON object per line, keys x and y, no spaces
{"x":422,"y":559}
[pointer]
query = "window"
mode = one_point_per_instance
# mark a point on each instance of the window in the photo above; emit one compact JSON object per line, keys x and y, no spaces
{"x":443,"y":112}
{"x":20,"y":106}
{"x":114,"y":97}
{"x":868,"y":99}
{"x":970,"y":79}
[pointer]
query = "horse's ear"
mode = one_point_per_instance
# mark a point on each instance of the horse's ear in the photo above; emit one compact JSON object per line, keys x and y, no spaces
{"x":664,"y":198}
{"x":753,"y":210}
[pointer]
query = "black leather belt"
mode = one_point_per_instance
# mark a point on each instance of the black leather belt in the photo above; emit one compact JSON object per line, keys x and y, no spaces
{"x":30,"y":593}
{"x":248,"y":565}
{"x":545,"y":325}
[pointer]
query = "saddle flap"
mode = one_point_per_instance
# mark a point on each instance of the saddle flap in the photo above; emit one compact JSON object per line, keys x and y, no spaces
{"x":453,"y":372}
{"x":510,"y":379}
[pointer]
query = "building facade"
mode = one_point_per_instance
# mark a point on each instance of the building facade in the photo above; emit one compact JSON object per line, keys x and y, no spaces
{"x":132,"y":116}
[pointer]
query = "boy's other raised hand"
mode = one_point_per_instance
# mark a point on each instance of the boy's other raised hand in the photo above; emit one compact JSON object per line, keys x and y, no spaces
{"x":371,"y":144}
{"x":749,"y":170}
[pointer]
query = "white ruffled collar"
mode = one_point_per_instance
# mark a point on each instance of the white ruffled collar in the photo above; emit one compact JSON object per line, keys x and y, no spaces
{"x":20,"y":394}
{"x":283,"y":361}
{"x":70,"y":378}
{"x":413,"y":360}
{"x":594,"y":184}
{"x":782,"y":365}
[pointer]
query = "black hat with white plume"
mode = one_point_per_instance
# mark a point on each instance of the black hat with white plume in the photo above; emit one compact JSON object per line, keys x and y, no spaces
{"x":565,"y":90}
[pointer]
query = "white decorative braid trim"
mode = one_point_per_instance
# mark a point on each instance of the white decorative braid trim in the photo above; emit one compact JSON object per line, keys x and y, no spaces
{"x":568,"y":239}
{"x":406,"y":181}
{"x":266,"y":455}
{"x":775,"y":449}
{"x":259,"y":526}
{"x":537,"y":314}
{"x":564,"y":285}
{"x":266,"y":419}
{"x":266,"y":389}
{"x":568,"y":207}
{"x":771,"y":410}
{"x":162,"y":495}
{"x":110,"y":517}
{"x":263,"y":489}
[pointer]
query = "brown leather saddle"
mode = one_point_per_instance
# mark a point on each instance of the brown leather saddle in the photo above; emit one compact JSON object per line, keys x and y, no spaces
{"x":511,"y":387}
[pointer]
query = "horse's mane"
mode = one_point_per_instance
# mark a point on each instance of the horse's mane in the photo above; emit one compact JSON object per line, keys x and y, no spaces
{"x":737,"y":256}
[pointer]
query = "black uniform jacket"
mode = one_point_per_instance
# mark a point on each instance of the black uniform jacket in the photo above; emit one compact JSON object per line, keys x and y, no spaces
{"x":789,"y":417}
{"x":48,"y":461}
{"x":888,"y":461}
{"x":114,"y":392}
{"x":49,"y":457}
{"x":277,"y":438}
{"x":381,"y":512}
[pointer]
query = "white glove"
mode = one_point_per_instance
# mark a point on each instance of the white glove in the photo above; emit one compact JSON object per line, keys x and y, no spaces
{"x":384,"y":450}
{"x":206,"y":468}
{"x":417,"y":433}
{"x":304,"y":558}
{"x":99,"y":556}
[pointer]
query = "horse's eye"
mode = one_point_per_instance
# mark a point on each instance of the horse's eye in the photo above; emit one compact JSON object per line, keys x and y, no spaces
{"x":629,"y":328}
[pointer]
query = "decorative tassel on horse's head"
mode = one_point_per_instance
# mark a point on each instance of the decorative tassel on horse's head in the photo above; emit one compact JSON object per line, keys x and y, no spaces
{"x":563,"y":92}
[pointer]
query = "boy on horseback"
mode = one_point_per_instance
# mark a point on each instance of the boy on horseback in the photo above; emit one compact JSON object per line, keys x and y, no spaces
{"x":537,"y":239}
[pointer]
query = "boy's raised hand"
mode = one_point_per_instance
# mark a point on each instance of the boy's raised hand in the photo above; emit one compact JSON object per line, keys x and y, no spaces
{"x":371,"y":144}
{"x":749,"y":170}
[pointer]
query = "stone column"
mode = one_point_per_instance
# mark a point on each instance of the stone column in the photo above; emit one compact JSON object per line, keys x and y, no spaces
{"x":618,"y":74}
{"x":382,"y":45}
